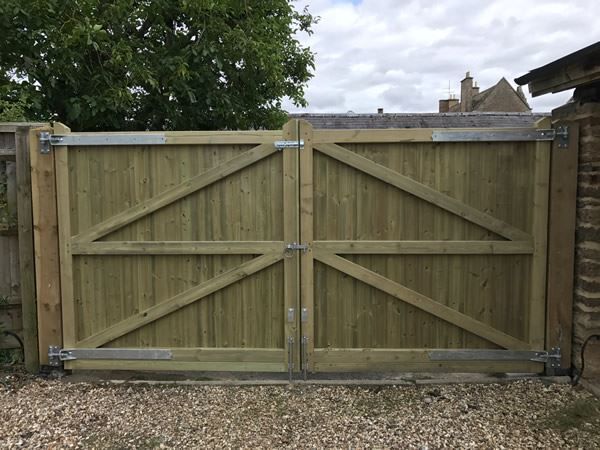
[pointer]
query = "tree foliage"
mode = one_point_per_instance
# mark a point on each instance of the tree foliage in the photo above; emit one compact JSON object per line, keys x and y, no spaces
{"x":155,"y":64}
{"x":13,"y":103}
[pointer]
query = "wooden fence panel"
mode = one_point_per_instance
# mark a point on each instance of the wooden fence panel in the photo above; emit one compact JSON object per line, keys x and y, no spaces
{"x":10,"y":292}
{"x":17,"y":279}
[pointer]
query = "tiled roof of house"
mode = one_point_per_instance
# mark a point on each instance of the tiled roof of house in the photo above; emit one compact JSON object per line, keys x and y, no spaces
{"x":503,"y":93}
{"x":421,"y":120}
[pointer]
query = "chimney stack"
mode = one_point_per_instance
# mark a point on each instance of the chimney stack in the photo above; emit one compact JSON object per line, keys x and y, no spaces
{"x":475,"y":89}
{"x":447,"y":104}
{"x":466,"y":93}
{"x":379,"y":110}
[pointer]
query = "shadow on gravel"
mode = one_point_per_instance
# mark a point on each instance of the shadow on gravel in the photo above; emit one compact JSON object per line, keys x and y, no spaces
{"x":582,"y":414}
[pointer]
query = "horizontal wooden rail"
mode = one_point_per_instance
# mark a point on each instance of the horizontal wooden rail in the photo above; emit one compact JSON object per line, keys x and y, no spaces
{"x":176,"y":247}
{"x":219,"y":366}
{"x":426,"y":247}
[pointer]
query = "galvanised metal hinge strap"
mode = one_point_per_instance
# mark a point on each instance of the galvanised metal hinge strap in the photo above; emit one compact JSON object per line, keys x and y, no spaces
{"x":96,"y":139}
{"x":550,"y":358}
{"x":56,"y":355}
{"x":498,"y":135}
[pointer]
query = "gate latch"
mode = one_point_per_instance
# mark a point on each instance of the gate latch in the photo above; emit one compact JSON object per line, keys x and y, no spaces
{"x":297,"y":144}
{"x":294,"y":246}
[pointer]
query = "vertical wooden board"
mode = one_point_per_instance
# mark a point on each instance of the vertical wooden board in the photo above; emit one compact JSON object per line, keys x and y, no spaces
{"x":347,"y":198}
{"x":95,"y":171}
{"x":333,"y":218}
{"x":561,"y":244}
{"x":83,"y":195}
{"x":410,"y":165}
{"x":166,"y":226}
{"x":68,"y":308}
{"x":291,"y":233}
{"x":374,"y":212}
{"x":307,"y":264}
{"x":11,"y":213}
{"x":189,"y":168}
{"x":319,"y":232}
{"x":5,"y":266}
{"x":537,"y":311}
{"x":426,"y":324}
{"x":455,"y":173}
{"x":47,"y":261}
{"x":355,"y":317}
{"x":26,"y":251}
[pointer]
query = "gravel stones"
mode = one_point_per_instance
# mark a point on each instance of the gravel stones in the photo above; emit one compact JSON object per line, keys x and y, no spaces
{"x":41,"y":414}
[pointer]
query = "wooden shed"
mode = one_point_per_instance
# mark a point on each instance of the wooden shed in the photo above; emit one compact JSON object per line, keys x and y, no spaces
{"x":581,"y":116}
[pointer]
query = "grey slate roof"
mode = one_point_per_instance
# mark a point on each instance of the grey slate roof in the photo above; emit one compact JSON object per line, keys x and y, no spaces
{"x":421,"y":120}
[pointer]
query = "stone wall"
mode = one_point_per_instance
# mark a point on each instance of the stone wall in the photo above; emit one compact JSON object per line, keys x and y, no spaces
{"x":586,"y":307}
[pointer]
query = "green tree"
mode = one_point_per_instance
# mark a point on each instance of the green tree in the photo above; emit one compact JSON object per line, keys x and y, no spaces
{"x":155,"y":64}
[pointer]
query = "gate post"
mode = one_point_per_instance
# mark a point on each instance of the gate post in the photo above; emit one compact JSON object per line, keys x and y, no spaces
{"x":561,"y":244}
{"x":45,"y":226}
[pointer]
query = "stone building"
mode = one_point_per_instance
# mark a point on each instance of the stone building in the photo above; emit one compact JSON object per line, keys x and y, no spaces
{"x":501,"y":97}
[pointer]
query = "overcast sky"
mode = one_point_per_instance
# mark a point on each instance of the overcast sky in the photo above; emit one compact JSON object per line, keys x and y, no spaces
{"x":400,"y":55}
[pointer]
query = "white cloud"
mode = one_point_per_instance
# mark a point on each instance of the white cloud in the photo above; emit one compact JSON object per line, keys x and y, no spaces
{"x":401,"y":54}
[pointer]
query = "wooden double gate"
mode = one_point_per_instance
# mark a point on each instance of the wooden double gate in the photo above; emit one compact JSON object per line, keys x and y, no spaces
{"x":334,"y":250}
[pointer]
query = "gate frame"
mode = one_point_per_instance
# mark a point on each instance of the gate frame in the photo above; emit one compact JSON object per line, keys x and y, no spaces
{"x":360,"y":359}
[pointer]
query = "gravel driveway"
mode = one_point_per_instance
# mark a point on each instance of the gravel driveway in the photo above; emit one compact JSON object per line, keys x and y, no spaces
{"x":35,"y":413}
